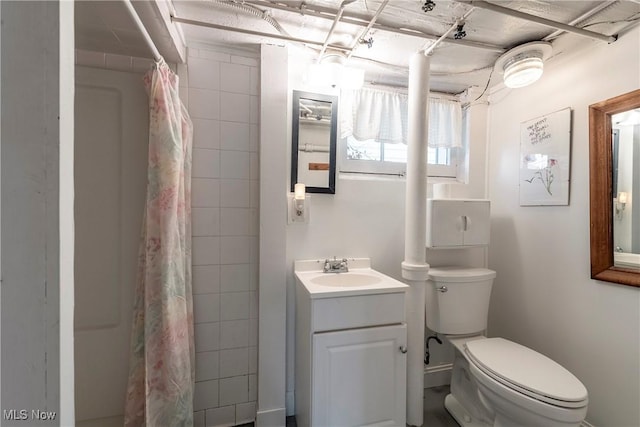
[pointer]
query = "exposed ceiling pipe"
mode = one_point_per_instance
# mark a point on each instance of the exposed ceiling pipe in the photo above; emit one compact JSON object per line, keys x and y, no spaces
{"x":344,"y":4}
{"x":255,"y":33}
{"x":428,"y":49}
{"x":252,"y":10}
{"x":538,"y":20}
{"x":361,"y":21}
{"x":588,"y":14}
{"x":364,"y":32}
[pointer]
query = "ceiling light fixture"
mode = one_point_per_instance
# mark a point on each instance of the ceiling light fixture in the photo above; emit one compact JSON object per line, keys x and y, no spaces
{"x":523,"y":64}
{"x":332,"y":71}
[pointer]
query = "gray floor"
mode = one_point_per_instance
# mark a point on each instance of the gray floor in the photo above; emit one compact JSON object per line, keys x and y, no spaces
{"x":435,"y":415}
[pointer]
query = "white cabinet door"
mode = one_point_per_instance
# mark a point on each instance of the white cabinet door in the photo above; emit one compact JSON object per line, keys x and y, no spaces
{"x":445,"y":227}
{"x":359,"y":377}
{"x":476,"y":223}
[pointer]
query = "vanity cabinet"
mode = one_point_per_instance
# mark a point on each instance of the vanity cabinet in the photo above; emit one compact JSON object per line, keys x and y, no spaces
{"x":350,"y":357}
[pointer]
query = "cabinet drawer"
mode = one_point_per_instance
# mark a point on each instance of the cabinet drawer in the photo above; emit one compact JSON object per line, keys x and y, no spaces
{"x":357,"y":311}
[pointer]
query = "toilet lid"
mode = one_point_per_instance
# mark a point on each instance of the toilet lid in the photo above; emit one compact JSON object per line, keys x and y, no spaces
{"x":527,"y":371}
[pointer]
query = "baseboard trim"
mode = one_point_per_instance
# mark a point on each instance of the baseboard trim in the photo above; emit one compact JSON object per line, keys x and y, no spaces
{"x":290,"y":403}
{"x":586,"y":423}
{"x":271,"y":418}
{"x":435,"y":376}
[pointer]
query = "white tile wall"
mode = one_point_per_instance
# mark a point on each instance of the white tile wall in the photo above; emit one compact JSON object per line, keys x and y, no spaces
{"x":234,"y":362}
{"x":235,"y":136}
{"x":234,"y":193}
{"x":206,"y":308}
{"x":235,"y":277}
{"x":245,"y":412}
{"x":111,"y":61}
{"x":207,"y":335}
{"x":206,"y":133}
{"x":237,"y":107}
{"x":234,"y":334}
{"x":207,"y":365}
{"x":206,"y":163}
{"x":198,"y":419}
{"x":205,"y":221}
{"x":206,"y":279}
{"x":219,"y":417}
{"x":222,"y":91}
{"x":205,"y":395}
{"x":204,"y":103}
{"x":234,"y":306}
{"x":234,"y":390}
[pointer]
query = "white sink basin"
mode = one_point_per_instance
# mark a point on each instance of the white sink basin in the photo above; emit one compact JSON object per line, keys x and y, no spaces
{"x":361,"y":279}
{"x":346,"y":279}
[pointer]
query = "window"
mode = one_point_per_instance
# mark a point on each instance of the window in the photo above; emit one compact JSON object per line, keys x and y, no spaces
{"x":374,"y":125}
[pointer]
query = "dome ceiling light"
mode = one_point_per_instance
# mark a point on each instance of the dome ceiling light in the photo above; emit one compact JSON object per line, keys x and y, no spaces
{"x":523,"y":64}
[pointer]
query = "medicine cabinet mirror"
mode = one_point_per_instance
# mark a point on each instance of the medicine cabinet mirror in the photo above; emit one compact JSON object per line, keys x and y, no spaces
{"x":614,"y":164}
{"x":313,"y":148}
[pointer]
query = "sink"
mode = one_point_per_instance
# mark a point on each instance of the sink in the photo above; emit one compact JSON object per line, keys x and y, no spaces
{"x":361,"y":279}
{"x":346,"y":279}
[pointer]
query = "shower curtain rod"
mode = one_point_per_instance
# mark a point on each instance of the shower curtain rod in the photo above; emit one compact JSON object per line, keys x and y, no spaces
{"x":145,"y":34}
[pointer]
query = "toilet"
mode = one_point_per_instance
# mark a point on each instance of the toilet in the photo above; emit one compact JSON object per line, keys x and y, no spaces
{"x":496,"y":382}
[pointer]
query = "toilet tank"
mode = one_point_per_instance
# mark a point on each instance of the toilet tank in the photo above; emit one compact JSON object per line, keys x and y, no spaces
{"x":458,"y":299}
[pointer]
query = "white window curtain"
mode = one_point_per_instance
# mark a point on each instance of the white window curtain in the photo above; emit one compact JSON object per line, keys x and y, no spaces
{"x":382,"y":116}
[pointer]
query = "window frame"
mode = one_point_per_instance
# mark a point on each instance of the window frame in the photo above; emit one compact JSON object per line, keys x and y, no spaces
{"x":380,"y":167}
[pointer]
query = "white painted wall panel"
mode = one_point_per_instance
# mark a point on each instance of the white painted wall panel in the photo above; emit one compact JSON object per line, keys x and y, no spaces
{"x":35,"y":240}
{"x":111,"y":169}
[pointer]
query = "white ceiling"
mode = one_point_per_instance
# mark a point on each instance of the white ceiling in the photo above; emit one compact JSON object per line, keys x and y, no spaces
{"x":455,"y":66}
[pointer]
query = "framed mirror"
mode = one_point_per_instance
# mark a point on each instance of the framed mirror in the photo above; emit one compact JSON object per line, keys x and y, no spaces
{"x":313,"y":148}
{"x":614,"y":161}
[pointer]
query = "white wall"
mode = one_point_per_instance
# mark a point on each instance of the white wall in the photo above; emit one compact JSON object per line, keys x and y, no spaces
{"x":543,"y":296}
{"x":37,"y":197}
{"x":220,"y":87}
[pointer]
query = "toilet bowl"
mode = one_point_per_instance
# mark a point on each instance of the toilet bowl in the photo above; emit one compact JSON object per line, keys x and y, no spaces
{"x":496,"y":382}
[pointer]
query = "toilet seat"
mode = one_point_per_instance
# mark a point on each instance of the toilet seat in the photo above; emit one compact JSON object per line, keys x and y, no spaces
{"x":526,"y":371}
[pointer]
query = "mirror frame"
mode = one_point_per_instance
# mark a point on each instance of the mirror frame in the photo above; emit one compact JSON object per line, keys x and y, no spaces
{"x":601,"y":191}
{"x":295,"y":134}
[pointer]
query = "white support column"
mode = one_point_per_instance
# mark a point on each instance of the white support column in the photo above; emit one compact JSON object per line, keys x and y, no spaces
{"x":272,"y":292}
{"x":414,"y":267}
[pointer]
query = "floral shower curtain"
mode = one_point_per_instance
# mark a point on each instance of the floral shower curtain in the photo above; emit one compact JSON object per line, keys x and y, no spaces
{"x":161,"y":369}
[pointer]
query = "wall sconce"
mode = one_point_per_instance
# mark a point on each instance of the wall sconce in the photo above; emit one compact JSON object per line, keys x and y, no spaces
{"x":621,"y":203}
{"x":299,"y":208}
{"x":523,"y":64}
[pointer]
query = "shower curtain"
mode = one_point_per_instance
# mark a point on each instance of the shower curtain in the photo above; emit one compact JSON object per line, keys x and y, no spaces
{"x":162,"y":366}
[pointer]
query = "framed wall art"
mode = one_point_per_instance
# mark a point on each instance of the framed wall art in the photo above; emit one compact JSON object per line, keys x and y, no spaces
{"x":545,"y":159}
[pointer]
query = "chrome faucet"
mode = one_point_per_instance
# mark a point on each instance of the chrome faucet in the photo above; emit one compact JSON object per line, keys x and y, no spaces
{"x":335,"y":265}
{"x":619,"y":249}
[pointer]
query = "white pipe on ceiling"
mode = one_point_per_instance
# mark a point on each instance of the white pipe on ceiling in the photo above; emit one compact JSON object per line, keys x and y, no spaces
{"x":143,"y":30}
{"x":361,"y":20}
{"x":588,"y":14}
{"x":539,"y":20}
{"x":344,"y":4}
{"x":428,"y":50}
{"x":254,"y":33}
{"x":415,"y":269}
{"x":364,"y":32}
